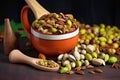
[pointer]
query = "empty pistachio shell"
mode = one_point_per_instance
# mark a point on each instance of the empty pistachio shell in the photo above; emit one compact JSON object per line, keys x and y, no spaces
{"x":73,"y":64}
{"x":98,"y":62}
{"x":65,"y":62}
{"x":60,"y":57}
{"x":71,"y":57}
{"x":76,"y":55}
{"x":82,"y":56}
{"x":86,"y":62}
{"x":90,"y":48}
{"x":83,"y":51}
{"x":83,"y":46}
{"x":76,"y":48}
{"x":65,"y":56}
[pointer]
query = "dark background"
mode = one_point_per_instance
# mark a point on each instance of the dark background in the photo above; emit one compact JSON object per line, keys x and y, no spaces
{"x":86,"y":11}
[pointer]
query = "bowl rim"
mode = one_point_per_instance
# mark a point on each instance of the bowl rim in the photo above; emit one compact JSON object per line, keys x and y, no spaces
{"x":54,"y":37}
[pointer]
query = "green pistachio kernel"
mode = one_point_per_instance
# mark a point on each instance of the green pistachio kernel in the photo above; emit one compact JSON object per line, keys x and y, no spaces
{"x":106,"y":57}
{"x":94,"y":54}
{"x":78,"y":63}
{"x":69,"y":66}
{"x":54,"y":30}
{"x":88,"y":56}
{"x":69,"y":24}
{"x":112,"y":60}
{"x":41,"y":21}
{"x":64,"y":69}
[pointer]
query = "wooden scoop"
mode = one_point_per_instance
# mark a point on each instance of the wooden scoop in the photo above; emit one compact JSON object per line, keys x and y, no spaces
{"x":37,"y":9}
{"x":16,"y":56}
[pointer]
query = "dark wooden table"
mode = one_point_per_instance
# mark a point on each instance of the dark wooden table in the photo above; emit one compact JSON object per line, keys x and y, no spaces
{"x":10,"y":71}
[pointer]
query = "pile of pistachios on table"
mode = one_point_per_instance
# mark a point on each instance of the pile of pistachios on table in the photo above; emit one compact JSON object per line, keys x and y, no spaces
{"x":98,"y":45}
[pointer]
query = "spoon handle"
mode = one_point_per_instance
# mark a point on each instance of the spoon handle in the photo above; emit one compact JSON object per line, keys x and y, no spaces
{"x":16,"y":56}
{"x":37,"y":9}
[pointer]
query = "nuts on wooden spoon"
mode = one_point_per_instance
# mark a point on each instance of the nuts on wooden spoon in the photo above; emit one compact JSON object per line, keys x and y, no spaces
{"x":16,"y":56}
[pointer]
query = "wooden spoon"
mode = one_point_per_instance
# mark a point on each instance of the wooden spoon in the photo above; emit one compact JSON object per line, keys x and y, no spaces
{"x":37,"y":9}
{"x":16,"y":56}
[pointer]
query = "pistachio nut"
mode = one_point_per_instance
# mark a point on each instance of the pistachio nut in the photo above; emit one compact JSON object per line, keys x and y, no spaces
{"x":64,"y":69}
{"x":88,"y":57}
{"x":83,"y":51}
{"x":69,"y":66}
{"x":83,"y":46}
{"x":86,"y":62}
{"x":65,"y":62}
{"x":106,"y":57}
{"x":71,"y":57}
{"x":65,"y":56}
{"x":76,"y":55}
{"x":112,"y":60}
{"x":60,"y":57}
{"x":98,"y":62}
{"x":90,"y":48}
{"x":82,"y":56}
{"x":73,"y":64}
{"x":78,"y":63}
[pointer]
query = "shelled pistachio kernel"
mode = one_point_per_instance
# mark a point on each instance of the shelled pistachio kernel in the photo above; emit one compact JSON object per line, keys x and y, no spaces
{"x":88,"y":56}
{"x":47,"y":63}
{"x":64,"y":69}
{"x":112,"y":60}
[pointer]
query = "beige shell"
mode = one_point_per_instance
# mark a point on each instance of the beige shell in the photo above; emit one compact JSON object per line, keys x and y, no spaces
{"x":73,"y":64}
{"x":65,"y":62}
{"x":59,"y":58}
{"x":98,"y":62}
{"x":76,"y":55}
{"x":90,"y":48}
{"x":71,"y":57}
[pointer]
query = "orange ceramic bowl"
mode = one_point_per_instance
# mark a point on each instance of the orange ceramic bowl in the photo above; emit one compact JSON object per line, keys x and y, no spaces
{"x":46,"y":43}
{"x":54,"y":44}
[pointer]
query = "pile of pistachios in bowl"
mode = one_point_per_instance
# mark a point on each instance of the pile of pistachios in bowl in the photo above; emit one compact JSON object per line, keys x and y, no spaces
{"x":98,"y":45}
{"x":55,"y":23}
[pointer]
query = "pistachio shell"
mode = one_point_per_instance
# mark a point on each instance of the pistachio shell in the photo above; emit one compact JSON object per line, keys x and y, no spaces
{"x":65,"y":56}
{"x":60,"y":57}
{"x":73,"y":64}
{"x":98,"y":62}
{"x":82,"y":56}
{"x":86,"y":62}
{"x":65,"y":62}
{"x":83,"y":46}
{"x":71,"y":57}
{"x":76,"y":55}
{"x":90,"y":48}
{"x":83,"y":51}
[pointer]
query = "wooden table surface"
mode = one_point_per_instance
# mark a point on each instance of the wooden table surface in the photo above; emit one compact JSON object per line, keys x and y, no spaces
{"x":10,"y":71}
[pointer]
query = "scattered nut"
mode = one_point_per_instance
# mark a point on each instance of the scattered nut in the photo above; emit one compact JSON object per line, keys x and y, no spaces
{"x":70,"y":72}
{"x":90,"y":67}
{"x":91,"y":72}
{"x":98,"y":70}
{"x":81,"y":72}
